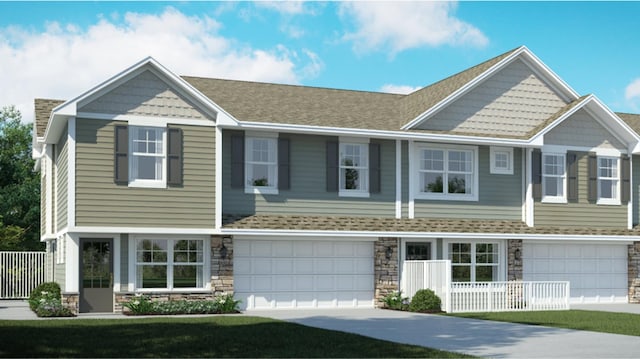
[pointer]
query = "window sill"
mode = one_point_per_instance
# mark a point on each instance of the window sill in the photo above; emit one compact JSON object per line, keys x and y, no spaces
{"x":166,"y":290}
{"x":468,"y":198}
{"x":554,"y":200}
{"x":359,"y":194}
{"x":608,"y":202}
{"x":495,"y":171}
{"x":149,"y":184}
{"x":261,"y":190}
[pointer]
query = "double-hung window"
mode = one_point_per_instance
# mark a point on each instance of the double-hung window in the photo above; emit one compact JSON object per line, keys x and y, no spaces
{"x":608,"y":180}
{"x":170,"y":264}
{"x":354,"y":169}
{"x":148,"y":156}
{"x":501,"y":160}
{"x":474,"y":262}
{"x":553,"y":177}
{"x":261,"y":164}
{"x":445,"y":173}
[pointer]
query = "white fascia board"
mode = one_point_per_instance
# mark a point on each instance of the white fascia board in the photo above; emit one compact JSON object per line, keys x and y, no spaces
{"x":392,"y":135}
{"x":144,"y":230}
{"x":529,"y":58}
{"x":448,"y":235}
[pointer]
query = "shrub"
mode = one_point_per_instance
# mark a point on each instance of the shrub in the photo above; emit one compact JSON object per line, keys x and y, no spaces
{"x":395,"y":300}
{"x":143,"y":305}
{"x":45,"y":301}
{"x":46,"y":289}
{"x":226,"y":303}
{"x":425,"y":301}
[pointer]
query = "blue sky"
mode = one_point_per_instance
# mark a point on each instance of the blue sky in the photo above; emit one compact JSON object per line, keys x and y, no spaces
{"x":60,"y":49}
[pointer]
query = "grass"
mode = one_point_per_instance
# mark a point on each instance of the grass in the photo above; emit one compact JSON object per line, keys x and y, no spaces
{"x":219,"y":336}
{"x":605,"y":322}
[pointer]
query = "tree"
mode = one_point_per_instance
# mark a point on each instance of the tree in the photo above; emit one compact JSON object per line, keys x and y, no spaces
{"x":19,"y":185}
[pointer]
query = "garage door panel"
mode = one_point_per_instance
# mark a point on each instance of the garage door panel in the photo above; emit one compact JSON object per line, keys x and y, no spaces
{"x":241,"y":266}
{"x":283,"y":283}
{"x":241,"y":249}
{"x":303,"y":266}
{"x":323,"y":266}
{"x":304,"y":283}
{"x":363,"y":266}
{"x":282,"y":266}
{"x":597,"y":271}
{"x":262,"y":266}
{"x":324,"y":282}
{"x":261,"y":284}
{"x":344,"y":266}
{"x":303,"y":248}
{"x":363,"y":282}
{"x":344,"y":283}
{"x":261,"y":249}
{"x":344,"y":250}
{"x":323,"y":249}
{"x":364,"y":249}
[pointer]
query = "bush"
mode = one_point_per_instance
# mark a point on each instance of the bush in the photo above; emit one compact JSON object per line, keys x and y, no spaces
{"x":48,"y":289}
{"x":45,"y":300}
{"x":395,"y":300}
{"x":425,"y":301}
{"x":143,"y":305}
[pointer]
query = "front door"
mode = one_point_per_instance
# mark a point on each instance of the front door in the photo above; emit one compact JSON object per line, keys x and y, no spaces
{"x":96,"y":275}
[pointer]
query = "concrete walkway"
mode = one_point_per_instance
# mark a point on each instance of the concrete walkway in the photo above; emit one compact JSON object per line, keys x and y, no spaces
{"x":475,"y":337}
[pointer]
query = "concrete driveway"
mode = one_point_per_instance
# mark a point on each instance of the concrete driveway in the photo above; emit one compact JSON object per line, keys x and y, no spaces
{"x":475,"y":337}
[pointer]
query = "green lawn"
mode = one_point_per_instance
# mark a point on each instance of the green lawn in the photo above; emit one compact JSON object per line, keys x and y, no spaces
{"x":219,"y":336}
{"x":606,"y":322}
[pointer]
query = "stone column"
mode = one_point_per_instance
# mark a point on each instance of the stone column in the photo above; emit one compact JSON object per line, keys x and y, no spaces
{"x":514,"y":259}
{"x":71,"y":301}
{"x":222,"y":264}
{"x":633,"y":272}
{"x":385,"y":270}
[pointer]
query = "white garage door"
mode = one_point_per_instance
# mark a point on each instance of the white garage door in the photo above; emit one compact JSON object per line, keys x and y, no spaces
{"x":597,"y":272}
{"x":303,"y":274}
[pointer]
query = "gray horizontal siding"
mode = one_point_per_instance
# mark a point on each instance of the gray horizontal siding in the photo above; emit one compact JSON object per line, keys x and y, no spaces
{"x":124,"y":261}
{"x":580,"y":213}
{"x":62,"y":174}
{"x":100,"y":202}
{"x":499,"y":197}
{"x":308,"y":195}
{"x":635,"y":190}
{"x":59,"y":275}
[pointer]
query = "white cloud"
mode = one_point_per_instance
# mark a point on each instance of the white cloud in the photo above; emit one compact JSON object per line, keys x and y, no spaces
{"x":632,"y":91}
{"x":283,"y":7}
{"x":399,"y":89}
{"x":398,"y":26}
{"x":64,"y":60}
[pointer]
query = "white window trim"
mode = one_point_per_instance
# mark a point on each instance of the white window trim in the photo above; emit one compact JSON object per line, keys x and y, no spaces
{"x":364,"y":148}
{"x":247,"y":150}
{"x":162,"y":183}
{"x":554,"y":199}
{"x":493,"y":150}
{"x":609,"y":201}
{"x":475,"y":189}
{"x":502,"y":248}
{"x":405,"y":241}
{"x":133,"y":267}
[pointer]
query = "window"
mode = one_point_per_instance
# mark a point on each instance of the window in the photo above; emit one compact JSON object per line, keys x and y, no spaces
{"x":474,"y":262}
{"x":447,"y":173}
{"x":553,"y":177}
{"x":608,"y":180}
{"x":170,"y":264}
{"x":501,"y":160}
{"x":354,"y":169}
{"x":418,"y":251}
{"x":261,"y":165}
{"x":147,"y":161}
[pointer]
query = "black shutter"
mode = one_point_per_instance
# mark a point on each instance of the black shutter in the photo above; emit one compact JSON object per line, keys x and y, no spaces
{"x":625,"y":191}
{"x":237,"y":160}
{"x":120,"y":154}
{"x":374,"y":168}
{"x":174,"y":157}
{"x":592,"y":170}
{"x":283,"y":164}
{"x":536,"y":174}
{"x":572,"y":176}
{"x":332,"y":166}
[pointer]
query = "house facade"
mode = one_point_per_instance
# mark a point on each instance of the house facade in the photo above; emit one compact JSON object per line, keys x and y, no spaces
{"x":303,"y":197}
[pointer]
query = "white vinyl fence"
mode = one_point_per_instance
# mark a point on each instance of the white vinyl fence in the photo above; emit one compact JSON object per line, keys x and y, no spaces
{"x":20,"y":273}
{"x":481,"y":296}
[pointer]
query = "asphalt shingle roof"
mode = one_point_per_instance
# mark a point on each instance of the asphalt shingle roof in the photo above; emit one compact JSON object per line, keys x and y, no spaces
{"x":43,"y":108}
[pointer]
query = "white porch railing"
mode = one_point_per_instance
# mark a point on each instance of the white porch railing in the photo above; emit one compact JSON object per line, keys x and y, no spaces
{"x":508,"y":296}
{"x":481,"y":296}
{"x":20,"y":273}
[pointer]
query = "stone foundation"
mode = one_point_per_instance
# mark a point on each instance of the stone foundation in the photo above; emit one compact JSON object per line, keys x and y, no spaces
{"x":633,"y":272}
{"x":222,"y":268}
{"x":514,"y":259}
{"x":124,"y":297}
{"x":71,"y":301}
{"x":386,"y":270}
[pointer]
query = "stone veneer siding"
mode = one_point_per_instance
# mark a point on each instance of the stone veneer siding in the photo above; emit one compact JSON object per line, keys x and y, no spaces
{"x":71,"y":301}
{"x":514,"y":262}
{"x":124,"y":297}
{"x":385,"y":270}
{"x":221,"y":268}
{"x":633,"y":272}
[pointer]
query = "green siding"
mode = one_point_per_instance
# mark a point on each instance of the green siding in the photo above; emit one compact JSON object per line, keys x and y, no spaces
{"x":580,"y":213}
{"x":100,"y":202}
{"x":499,"y":197}
{"x":308,"y":194}
{"x":59,"y":275}
{"x":635,"y":190}
{"x":124,"y":261}
{"x":62,"y":159}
